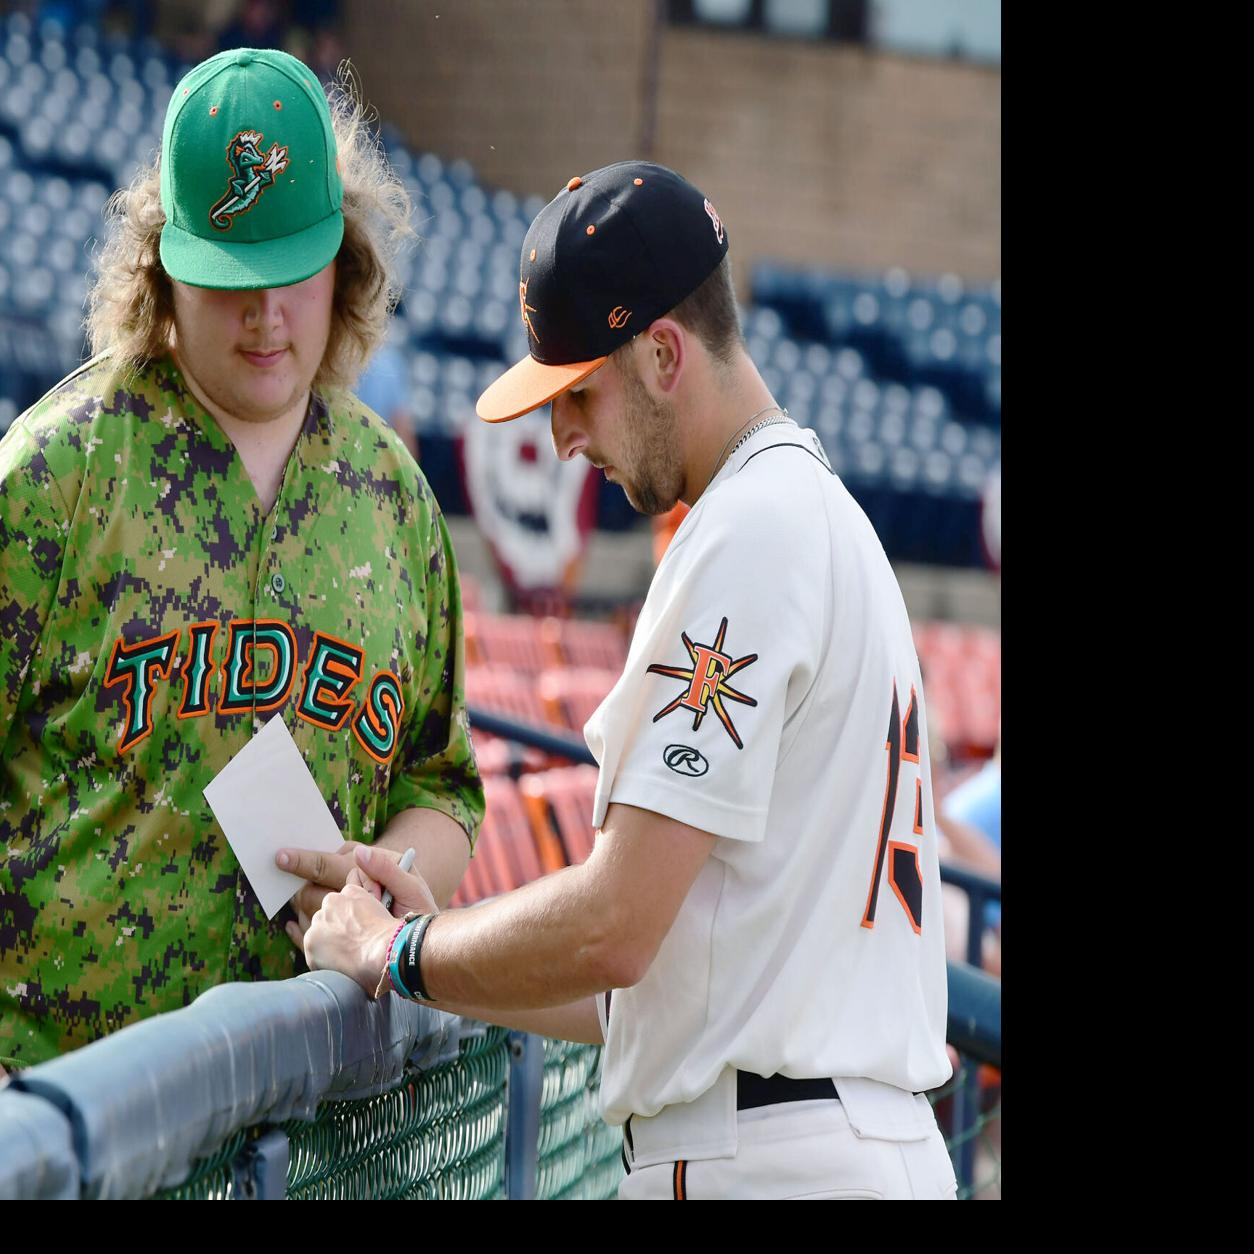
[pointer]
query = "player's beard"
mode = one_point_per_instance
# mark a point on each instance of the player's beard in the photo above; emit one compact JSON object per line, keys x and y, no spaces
{"x":652,"y":473}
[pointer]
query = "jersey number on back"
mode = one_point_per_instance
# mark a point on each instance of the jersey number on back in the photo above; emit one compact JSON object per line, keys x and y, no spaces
{"x":904,"y":875}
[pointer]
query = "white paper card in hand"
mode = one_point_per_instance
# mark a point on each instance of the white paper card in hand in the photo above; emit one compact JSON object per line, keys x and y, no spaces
{"x":266,"y":800}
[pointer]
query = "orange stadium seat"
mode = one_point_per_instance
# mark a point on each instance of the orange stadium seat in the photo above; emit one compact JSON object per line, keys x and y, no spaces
{"x":505,"y":691}
{"x":511,"y":640}
{"x":570,"y":696}
{"x":962,"y":682}
{"x":505,"y":853}
{"x":571,"y":642}
{"x":559,"y":805}
{"x":493,"y":756}
{"x":472,"y":594}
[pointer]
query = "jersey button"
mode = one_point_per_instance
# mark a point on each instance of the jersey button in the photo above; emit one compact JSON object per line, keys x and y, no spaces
{"x":277,"y":584}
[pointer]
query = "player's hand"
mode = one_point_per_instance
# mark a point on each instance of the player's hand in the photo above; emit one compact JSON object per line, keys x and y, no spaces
{"x":374,"y":872}
{"x":350,"y":933}
{"x":326,"y":872}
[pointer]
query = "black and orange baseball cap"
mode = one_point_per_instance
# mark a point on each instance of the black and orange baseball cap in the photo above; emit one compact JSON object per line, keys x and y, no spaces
{"x":611,"y":252}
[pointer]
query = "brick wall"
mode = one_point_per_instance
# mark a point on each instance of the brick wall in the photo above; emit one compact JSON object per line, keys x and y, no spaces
{"x":819,"y":154}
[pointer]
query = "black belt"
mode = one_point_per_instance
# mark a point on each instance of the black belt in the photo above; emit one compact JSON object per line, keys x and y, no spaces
{"x":754,"y":1090}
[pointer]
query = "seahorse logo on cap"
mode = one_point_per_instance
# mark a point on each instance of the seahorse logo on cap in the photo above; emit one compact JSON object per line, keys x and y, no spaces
{"x":252,"y":172}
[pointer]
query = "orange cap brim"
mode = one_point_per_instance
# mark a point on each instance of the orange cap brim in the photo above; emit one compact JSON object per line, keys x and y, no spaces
{"x":530,"y":384}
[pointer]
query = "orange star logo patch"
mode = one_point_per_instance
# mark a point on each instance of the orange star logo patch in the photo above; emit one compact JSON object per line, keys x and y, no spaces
{"x":706,"y":679}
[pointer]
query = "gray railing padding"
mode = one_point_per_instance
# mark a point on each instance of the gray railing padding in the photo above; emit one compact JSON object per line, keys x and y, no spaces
{"x":36,"y":1152}
{"x":144,"y":1103}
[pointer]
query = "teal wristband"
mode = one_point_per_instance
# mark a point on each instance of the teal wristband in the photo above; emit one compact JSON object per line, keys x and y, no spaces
{"x":411,"y":958}
{"x":394,"y":958}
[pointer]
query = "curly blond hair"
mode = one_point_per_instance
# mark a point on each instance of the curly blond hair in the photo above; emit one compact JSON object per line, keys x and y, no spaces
{"x":130,"y":305}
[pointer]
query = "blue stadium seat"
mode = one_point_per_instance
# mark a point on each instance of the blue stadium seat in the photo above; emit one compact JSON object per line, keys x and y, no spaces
{"x":904,"y":468}
{"x":87,"y":61}
{"x":34,"y":289}
{"x":20,"y":250}
{"x":828,"y":421}
{"x":62,"y":256}
{"x":786,"y":355}
{"x":973,"y":472}
{"x":420,"y":312}
{"x":923,"y":432}
{"x":938,"y":473}
{"x":865,"y":395}
{"x":992,"y":395}
{"x":953,"y":438}
{"x":834,"y":389}
{"x":860,"y":431}
{"x":892,"y":429}
{"x":849,"y":364}
{"x":492,"y":320}
{"x":17,"y":49}
{"x":460,"y":173}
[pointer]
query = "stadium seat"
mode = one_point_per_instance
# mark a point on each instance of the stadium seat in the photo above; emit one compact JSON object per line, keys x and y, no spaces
{"x":472,"y":593}
{"x":559,"y":806}
{"x":512,"y":640}
{"x":505,"y":854}
{"x":571,"y":695}
{"x":506,"y":691}
{"x":573,"y":642}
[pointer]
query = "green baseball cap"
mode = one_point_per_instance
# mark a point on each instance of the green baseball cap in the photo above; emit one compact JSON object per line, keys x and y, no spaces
{"x":249,"y":183}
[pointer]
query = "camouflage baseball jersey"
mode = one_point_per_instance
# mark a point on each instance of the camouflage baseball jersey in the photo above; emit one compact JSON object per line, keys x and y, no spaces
{"x":152,"y":619}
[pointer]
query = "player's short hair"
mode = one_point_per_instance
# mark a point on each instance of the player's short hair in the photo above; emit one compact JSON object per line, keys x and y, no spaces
{"x":130,"y":305}
{"x":710,"y":313}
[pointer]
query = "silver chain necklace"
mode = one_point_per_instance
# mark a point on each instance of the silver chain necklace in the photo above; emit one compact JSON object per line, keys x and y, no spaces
{"x":782,"y":416}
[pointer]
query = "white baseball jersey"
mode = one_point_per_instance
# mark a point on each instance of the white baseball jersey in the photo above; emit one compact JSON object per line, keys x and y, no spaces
{"x":772,"y":697}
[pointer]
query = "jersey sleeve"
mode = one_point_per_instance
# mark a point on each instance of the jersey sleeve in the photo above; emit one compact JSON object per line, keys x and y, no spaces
{"x":721,"y":667}
{"x":435,"y":767}
{"x":32,"y":547}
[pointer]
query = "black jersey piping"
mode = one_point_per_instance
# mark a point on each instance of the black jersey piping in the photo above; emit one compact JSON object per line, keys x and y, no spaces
{"x":802,"y":447}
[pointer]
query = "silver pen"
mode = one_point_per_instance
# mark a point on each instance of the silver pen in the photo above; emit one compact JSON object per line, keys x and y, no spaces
{"x":407,"y":861}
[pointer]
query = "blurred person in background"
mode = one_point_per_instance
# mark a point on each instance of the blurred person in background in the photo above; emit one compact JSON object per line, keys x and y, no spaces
{"x":135,"y":16}
{"x":664,"y":528}
{"x":970,"y":819}
{"x":962,"y":843}
{"x":384,"y":387}
{"x":202,"y":529}
{"x":256,"y":24}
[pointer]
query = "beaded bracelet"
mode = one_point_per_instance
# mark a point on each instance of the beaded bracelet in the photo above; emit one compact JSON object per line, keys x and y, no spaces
{"x":386,"y":978}
{"x":396,"y":955}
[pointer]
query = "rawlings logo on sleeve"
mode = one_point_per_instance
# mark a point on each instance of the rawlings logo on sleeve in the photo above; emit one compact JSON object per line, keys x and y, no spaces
{"x":706,"y":681}
{"x":332,"y":670}
{"x":684,"y":760}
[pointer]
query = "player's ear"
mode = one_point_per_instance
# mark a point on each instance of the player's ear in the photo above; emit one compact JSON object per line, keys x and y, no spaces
{"x":667,"y":353}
